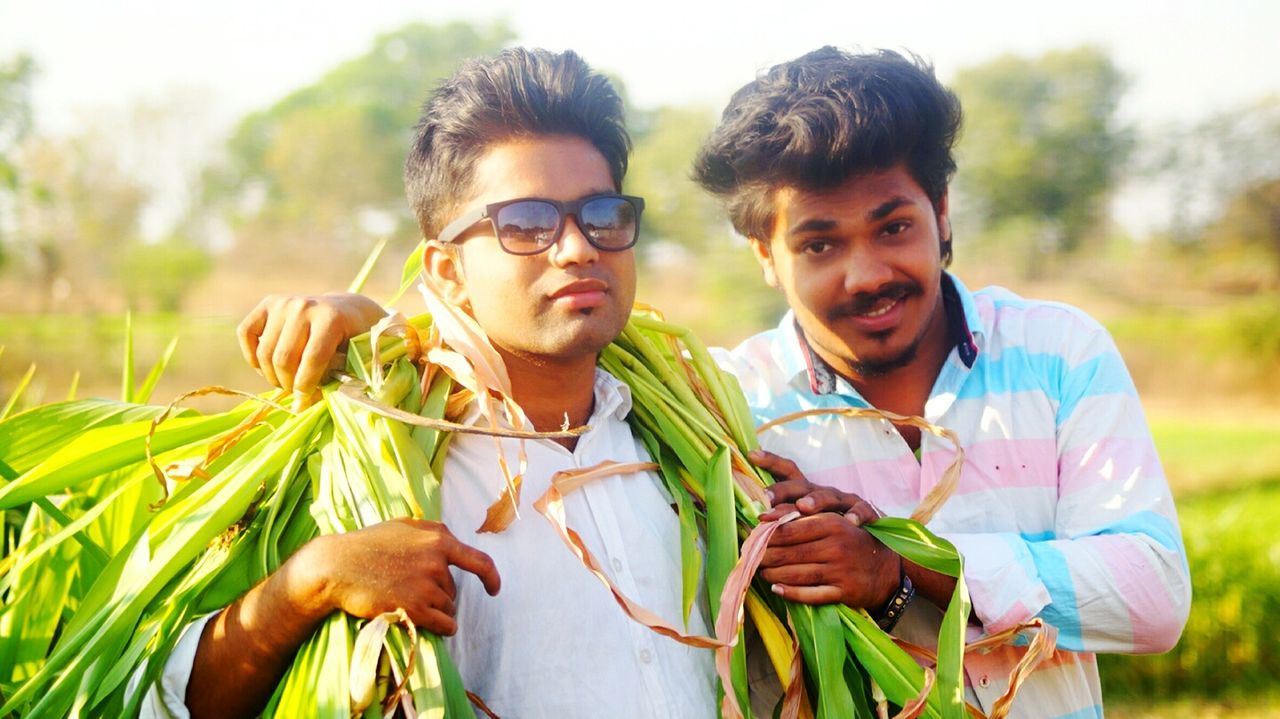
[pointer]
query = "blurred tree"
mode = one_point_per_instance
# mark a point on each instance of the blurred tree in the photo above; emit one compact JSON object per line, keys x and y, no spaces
{"x":75,"y":207}
{"x":1224,"y":175}
{"x":15,"y":124}
{"x":319,"y":172}
{"x":1041,"y":142}
{"x":677,"y":211}
{"x":158,"y":276}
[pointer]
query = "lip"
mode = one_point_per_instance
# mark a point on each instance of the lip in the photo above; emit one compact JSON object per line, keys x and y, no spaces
{"x":880,"y":323}
{"x":581,"y":294}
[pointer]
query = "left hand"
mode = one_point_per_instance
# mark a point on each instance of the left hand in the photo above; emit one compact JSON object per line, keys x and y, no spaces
{"x":825,"y":556}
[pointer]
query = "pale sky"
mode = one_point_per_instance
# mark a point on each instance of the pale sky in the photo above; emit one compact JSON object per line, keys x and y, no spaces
{"x":1186,"y":60}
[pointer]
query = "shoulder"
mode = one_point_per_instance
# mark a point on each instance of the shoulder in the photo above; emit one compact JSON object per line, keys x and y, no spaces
{"x":1013,"y":323}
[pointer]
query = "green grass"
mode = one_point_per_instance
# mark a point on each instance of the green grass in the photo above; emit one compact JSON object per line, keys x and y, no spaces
{"x":1228,"y":651}
{"x":1200,"y":454}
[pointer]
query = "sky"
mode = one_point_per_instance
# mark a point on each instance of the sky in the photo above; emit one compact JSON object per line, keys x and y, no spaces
{"x":1185,"y":60}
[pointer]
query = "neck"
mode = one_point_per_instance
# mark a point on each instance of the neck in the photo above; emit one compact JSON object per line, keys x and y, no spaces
{"x":551,"y":389}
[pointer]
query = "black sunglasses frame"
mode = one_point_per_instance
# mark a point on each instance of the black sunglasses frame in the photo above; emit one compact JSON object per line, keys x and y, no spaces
{"x":564,"y":210}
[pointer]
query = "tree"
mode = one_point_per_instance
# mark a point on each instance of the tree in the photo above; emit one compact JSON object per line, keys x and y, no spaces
{"x":1041,"y":141}
{"x":15,"y":124}
{"x":305,"y":174}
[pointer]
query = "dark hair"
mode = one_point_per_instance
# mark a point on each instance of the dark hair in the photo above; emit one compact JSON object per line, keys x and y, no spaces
{"x":818,"y":120}
{"x":515,"y":94}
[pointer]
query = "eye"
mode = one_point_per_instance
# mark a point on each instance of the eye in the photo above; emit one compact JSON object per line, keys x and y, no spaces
{"x":815,"y":247}
{"x":897,"y":227}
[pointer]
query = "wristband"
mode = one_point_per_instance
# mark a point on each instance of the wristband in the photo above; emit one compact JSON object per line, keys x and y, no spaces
{"x":888,"y":617}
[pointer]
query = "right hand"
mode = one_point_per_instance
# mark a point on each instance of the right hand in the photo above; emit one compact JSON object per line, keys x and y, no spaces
{"x":403,"y":563}
{"x":292,"y":339}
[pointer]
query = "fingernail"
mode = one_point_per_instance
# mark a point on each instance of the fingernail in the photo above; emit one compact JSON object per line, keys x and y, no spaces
{"x":805,"y":503}
{"x":776,"y":589}
{"x":755,"y":454}
{"x":769,"y":493}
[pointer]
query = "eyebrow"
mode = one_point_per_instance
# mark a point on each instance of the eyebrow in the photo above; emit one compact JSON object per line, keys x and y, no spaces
{"x":885,"y":209}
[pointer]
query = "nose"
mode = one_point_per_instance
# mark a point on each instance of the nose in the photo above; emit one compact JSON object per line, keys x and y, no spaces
{"x":866,"y":270}
{"x":573,"y":248}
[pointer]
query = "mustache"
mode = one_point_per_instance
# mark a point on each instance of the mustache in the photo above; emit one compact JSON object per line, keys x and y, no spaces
{"x":863,"y":302}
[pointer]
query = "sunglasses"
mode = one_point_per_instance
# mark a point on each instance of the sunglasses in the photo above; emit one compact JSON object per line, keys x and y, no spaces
{"x":530,"y":225}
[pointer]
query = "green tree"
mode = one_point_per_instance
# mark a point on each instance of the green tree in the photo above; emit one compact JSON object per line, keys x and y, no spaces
{"x":1041,"y":142}
{"x":1222,"y":177}
{"x":676,"y":210}
{"x":15,"y":124}
{"x":303,"y":174}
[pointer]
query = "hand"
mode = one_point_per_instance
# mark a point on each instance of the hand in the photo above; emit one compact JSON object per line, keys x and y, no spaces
{"x":793,"y":492}
{"x":403,"y":563}
{"x":824,"y":557}
{"x":292,"y":339}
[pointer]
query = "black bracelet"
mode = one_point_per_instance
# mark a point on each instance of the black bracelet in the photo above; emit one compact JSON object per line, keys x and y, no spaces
{"x":888,"y":617}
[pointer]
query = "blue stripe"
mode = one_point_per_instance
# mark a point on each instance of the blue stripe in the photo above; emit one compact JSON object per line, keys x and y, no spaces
{"x":1017,"y":370}
{"x":1037,"y":536}
{"x":1150,"y":524}
{"x":1062,"y":611}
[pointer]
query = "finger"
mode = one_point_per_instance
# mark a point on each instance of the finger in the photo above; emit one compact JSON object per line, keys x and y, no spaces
{"x":789,"y":490}
{"x":478,"y":563}
{"x":777,"y":512}
{"x":795,"y":554}
{"x":267,"y":346}
{"x":289,"y":348}
{"x":862,"y":512}
{"x":249,"y":330}
{"x":800,"y":575}
{"x":435,"y":621}
{"x":828,"y":499}
{"x":780,"y":467}
{"x":811,"y":529}
{"x":441,"y":598}
{"x":824,"y":594}
{"x":316,"y":358}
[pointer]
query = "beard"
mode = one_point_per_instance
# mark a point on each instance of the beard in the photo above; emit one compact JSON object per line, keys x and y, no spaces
{"x":882,"y":367}
{"x":865,"y":302}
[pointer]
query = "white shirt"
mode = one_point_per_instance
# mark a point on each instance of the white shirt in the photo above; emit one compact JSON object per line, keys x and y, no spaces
{"x":553,"y":643}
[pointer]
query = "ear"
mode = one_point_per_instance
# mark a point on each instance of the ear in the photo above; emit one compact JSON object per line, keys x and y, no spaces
{"x":943,"y":213}
{"x":764,"y":256}
{"x":442,"y":264}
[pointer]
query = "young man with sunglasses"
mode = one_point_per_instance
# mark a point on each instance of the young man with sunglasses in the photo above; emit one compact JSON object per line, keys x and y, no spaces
{"x":516,"y":170}
{"x":836,"y":167}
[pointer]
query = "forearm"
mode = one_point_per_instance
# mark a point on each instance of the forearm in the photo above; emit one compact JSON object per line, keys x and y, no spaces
{"x":246,"y":648}
{"x":1123,"y":592}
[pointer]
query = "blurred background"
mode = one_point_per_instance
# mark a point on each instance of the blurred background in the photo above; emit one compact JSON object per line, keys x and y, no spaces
{"x":180,"y":160}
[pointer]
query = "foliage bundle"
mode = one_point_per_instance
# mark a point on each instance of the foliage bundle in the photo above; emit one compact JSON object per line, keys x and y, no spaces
{"x":108,"y":567}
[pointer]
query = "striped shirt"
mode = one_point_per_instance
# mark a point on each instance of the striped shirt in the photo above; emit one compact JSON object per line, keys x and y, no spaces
{"x":1062,"y":511}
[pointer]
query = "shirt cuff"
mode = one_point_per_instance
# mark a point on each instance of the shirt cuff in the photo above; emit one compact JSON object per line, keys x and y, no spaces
{"x":168,"y":698}
{"x":1000,"y":573}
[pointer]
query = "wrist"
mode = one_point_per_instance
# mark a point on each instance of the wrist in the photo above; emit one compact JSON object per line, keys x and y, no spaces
{"x":896,"y":605}
{"x":305,"y":581}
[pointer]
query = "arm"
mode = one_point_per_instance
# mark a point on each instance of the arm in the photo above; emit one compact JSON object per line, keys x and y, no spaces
{"x":245,"y":650}
{"x":1113,"y":576}
{"x":292,"y":339}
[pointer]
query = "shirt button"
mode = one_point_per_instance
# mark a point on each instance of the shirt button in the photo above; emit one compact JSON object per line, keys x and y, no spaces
{"x":984,"y":682}
{"x":617,"y":565}
{"x":646,"y":656}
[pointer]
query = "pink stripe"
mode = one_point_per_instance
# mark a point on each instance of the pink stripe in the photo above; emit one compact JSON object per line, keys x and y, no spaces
{"x":1146,"y":596}
{"x":1016,"y":614}
{"x":887,"y":483}
{"x":1114,"y":459}
{"x":1000,"y":464}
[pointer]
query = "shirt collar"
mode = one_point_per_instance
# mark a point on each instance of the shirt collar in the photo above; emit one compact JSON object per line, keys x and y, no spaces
{"x":613,"y":399}
{"x":796,"y":357}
